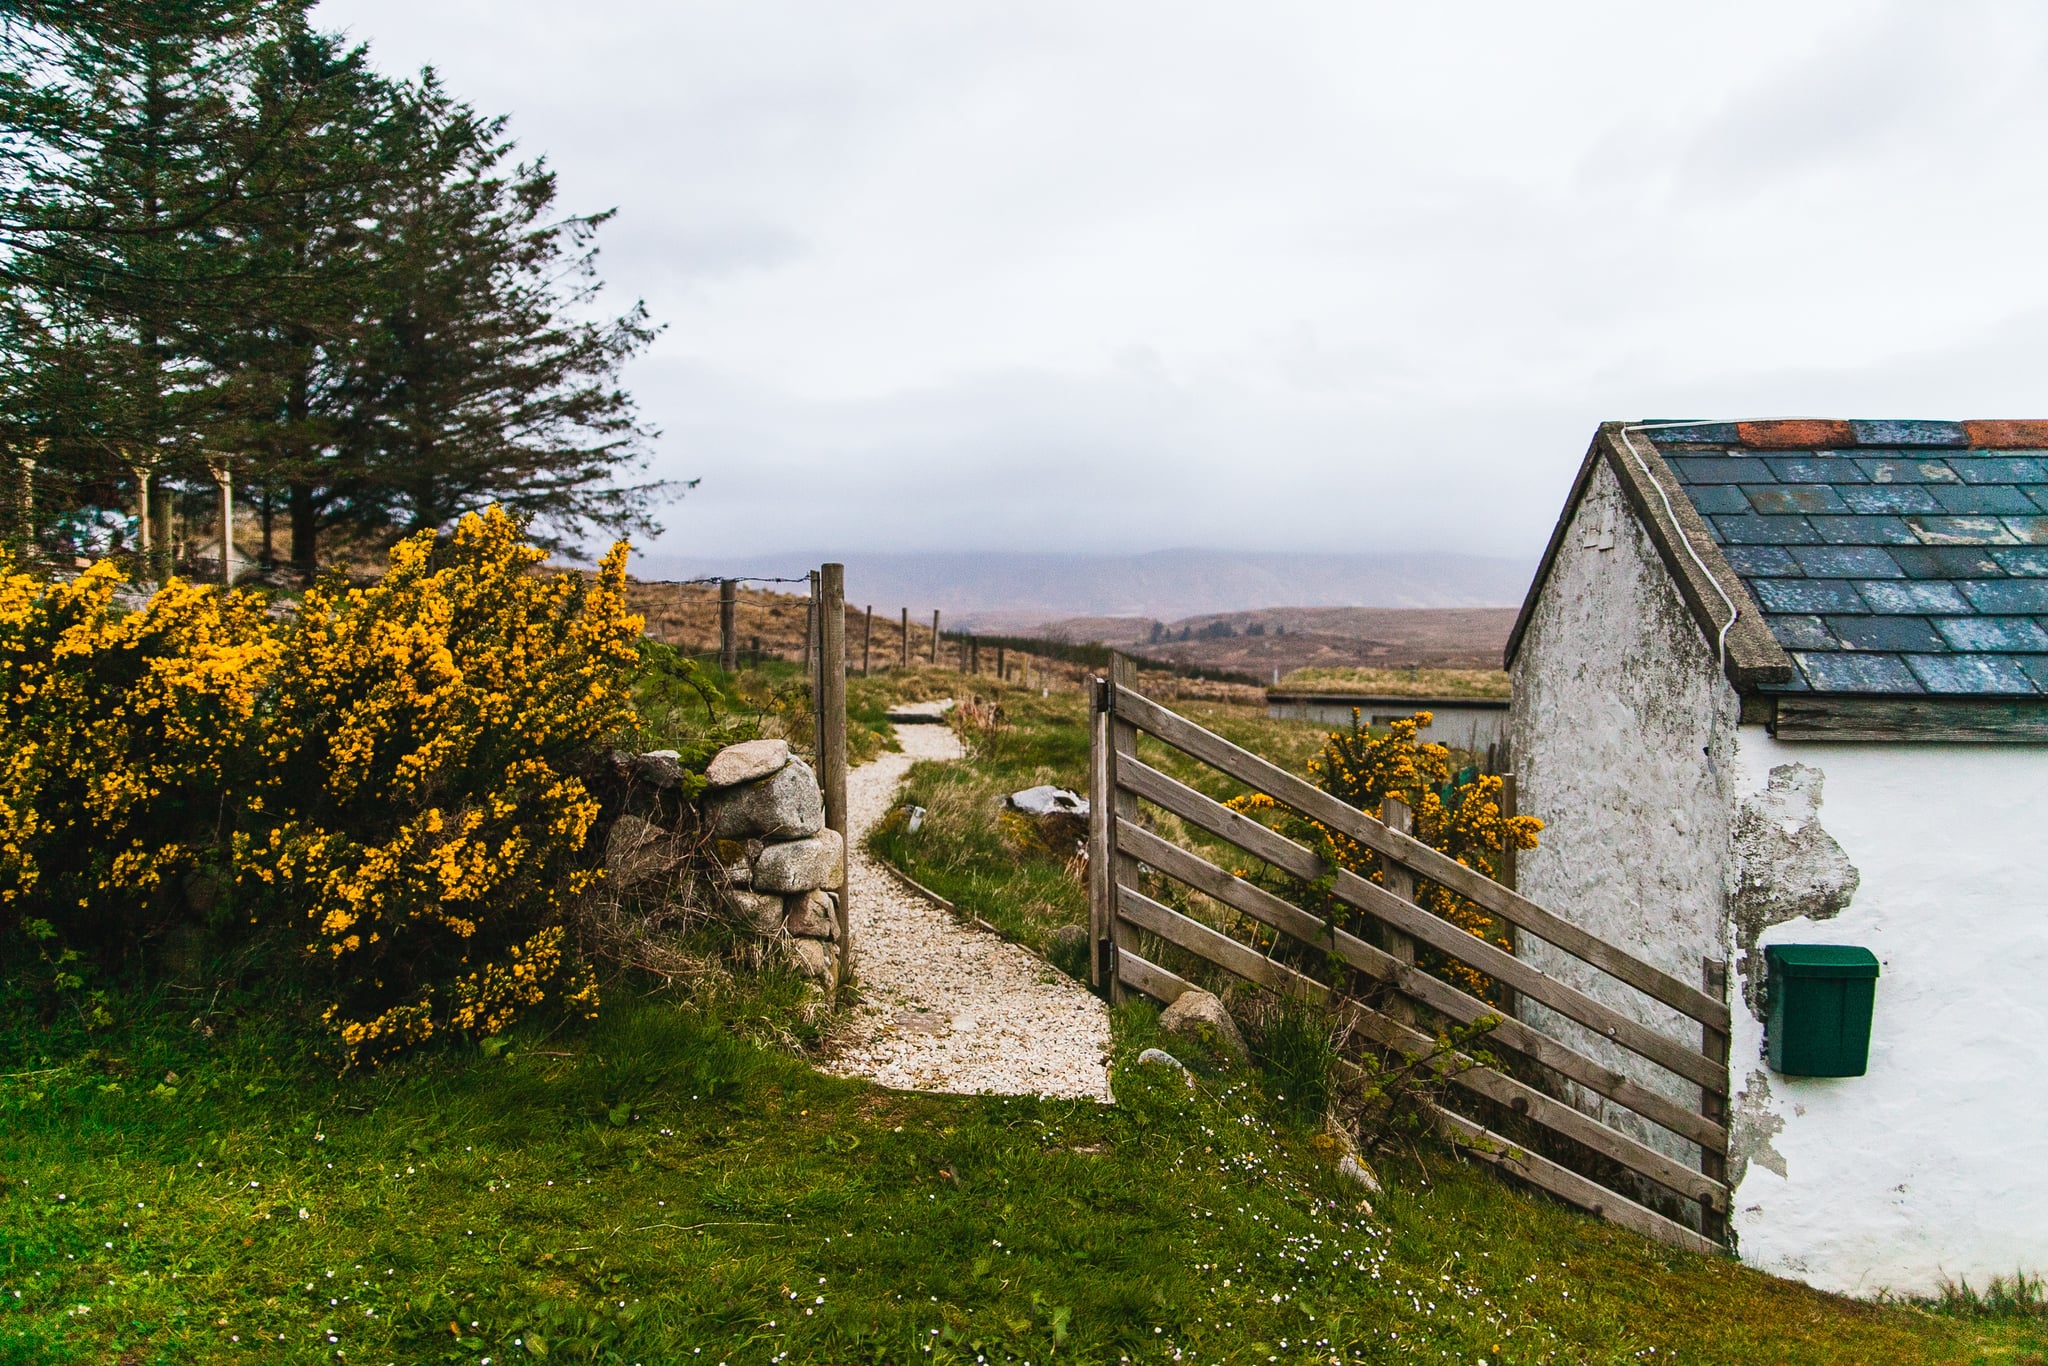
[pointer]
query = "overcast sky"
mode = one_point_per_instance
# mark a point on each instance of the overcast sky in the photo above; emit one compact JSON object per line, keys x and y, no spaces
{"x":1345,"y":276}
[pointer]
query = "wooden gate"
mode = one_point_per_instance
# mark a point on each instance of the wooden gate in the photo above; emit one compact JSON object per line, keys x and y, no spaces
{"x":1595,"y":1161}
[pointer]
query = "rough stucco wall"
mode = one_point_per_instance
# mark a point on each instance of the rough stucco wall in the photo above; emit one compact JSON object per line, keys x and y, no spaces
{"x":1930,"y":1164}
{"x":1622,"y":733}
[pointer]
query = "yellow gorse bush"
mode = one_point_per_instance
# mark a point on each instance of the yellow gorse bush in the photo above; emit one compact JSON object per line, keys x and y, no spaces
{"x":384,"y":782}
{"x":1464,"y":821}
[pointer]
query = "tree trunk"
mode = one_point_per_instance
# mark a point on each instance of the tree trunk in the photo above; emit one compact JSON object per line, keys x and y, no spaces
{"x":305,"y":531}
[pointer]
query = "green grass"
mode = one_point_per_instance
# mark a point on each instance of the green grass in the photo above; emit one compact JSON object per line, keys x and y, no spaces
{"x":678,"y":1184}
{"x":664,"y":1189}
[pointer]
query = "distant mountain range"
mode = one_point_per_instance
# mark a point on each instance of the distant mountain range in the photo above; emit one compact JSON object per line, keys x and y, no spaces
{"x":1013,"y":591}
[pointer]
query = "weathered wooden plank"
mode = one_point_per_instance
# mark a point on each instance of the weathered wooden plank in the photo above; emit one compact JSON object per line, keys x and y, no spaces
{"x":1568,"y":1185}
{"x":1218,"y":948}
{"x":1400,"y":883}
{"x":1551,"y":1113}
{"x":1438,"y":995}
{"x":1714,"y":981}
{"x":1123,"y":748}
{"x":1253,"y":966}
{"x":1440,"y":934}
{"x":1101,"y":851}
{"x":1941,"y":720}
{"x":1313,"y":802}
{"x":1155,"y":981}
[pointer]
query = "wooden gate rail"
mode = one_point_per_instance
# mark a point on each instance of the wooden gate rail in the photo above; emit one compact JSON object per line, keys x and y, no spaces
{"x":1522,"y":1099}
{"x":1194,"y":871}
{"x":1119,"y":845}
{"x":1411,"y":853}
{"x":1426,"y":926}
{"x":1477,"y":1140}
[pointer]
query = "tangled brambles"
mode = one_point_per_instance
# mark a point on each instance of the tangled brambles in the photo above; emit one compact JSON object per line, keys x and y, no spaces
{"x":383,"y":783}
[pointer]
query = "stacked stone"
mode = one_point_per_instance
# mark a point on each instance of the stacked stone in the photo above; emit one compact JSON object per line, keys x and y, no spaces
{"x":782,"y":867}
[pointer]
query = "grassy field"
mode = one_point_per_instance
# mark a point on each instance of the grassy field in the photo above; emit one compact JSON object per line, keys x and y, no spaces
{"x":1400,"y":682}
{"x":677,"y":1183}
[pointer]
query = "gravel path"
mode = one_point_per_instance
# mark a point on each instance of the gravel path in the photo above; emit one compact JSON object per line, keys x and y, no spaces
{"x":946,"y":1007}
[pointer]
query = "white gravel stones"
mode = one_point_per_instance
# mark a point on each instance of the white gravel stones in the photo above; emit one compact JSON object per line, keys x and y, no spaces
{"x":946,"y":1007}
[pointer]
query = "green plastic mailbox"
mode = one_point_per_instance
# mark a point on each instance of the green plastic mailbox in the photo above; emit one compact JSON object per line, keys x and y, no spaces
{"x":1820,"y":1000}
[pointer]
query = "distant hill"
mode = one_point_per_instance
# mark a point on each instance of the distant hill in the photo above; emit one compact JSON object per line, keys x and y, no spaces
{"x":1016,"y":591}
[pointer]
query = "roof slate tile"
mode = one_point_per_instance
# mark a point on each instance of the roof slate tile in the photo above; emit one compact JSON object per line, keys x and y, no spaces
{"x":1912,"y":595}
{"x":1897,"y":470}
{"x":1711,"y":469}
{"x":1970,"y":674}
{"x":1721,"y":433}
{"x":1886,"y":633}
{"x":2035,"y":667}
{"x":1982,"y":498}
{"x":1863,"y":531}
{"x":1801,"y":632}
{"x":1817,"y":467}
{"x":1946,"y":562}
{"x":1877,"y":498}
{"x":2007,"y":596}
{"x":1847,"y":562}
{"x":1807,"y":595}
{"x":2030,"y":563}
{"x":1793,"y":498}
{"x":1856,"y":672}
{"x":1766,"y":531}
{"x":1718,"y":498}
{"x":1896,"y":433}
{"x":1960,"y":530}
{"x":1996,"y":635}
{"x":1761,"y":561}
{"x":2004,"y":469}
{"x":2030,"y":530}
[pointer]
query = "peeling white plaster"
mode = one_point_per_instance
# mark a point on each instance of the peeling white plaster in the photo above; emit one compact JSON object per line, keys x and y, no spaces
{"x":1930,"y":1165}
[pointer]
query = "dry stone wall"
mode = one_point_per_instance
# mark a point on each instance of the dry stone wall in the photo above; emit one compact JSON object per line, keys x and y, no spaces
{"x":781,"y":868}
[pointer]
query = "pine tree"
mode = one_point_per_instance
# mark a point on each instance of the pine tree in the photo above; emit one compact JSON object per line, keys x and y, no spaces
{"x":222,"y":232}
{"x":478,"y":381}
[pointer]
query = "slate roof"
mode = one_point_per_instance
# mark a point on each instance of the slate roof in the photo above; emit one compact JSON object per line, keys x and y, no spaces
{"x":1887,"y":557}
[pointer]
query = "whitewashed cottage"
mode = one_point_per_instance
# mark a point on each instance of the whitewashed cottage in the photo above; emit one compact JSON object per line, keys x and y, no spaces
{"x":1781,"y":694}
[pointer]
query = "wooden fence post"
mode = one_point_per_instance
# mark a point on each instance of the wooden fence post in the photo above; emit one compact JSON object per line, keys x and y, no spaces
{"x":728,"y":625}
{"x":1001,"y":677}
{"x":142,"y":513}
{"x":1714,"y":1045}
{"x":867,"y":641}
{"x":1395,"y":815}
{"x":811,"y":633}
{"x":906,"y":638}
{"x":224,"y":476}
{"x":1509,"y":797}
{"x":1508,"y":852}
{"x":935,"y":635}
{"x":1123,"y":744}
{"x":1101,"y":843}
{"x":974,"y":654}
{"x":832,"y":737}
{"x":25,"y":506}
